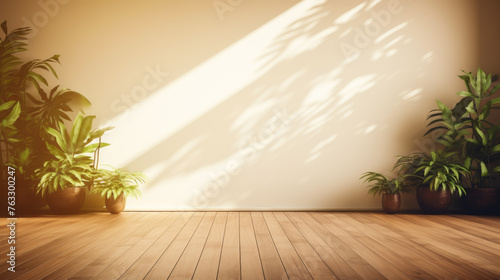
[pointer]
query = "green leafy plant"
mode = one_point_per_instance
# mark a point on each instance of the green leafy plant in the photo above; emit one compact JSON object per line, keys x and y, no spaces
{"x":60,"y":173}
{"x":70,"y":164}
{"x":441,"y":172}
{"x":467,"y":130}
{"x":380,"y":184}
{"x":113,"y":183}
{"x":78,"y":141}
{"x":9,"y":113}
{"x":24,"y":83}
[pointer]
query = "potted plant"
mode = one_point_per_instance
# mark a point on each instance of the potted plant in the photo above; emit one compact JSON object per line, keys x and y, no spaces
{"x":440,"y":177}
{"x":116,"y":185}
{"x":469,"y":132}
{"x":23,"y":83}
{"x":63,"y":182}
{"x":64,"y":176}
{"x":389,"y":188}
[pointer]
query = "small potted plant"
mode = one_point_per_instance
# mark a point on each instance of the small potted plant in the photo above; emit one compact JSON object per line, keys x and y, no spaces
{"x":62,"y":182}
{"x":440,"y":178}
{"x":116,"y":185}
{"x":389,"y":188}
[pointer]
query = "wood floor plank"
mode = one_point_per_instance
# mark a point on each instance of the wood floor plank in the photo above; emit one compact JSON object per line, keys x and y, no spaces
{"x":366,"y":252}
{"x":251,"y":267}
{"x":208,"y":265}
{"x":255,"y":245}
{"x":473,"y":227}
{"x":34,"y":255}
{"x":148,"y":235}
{"x":398,"y":253}
{"x":185,"y":267}
{"x":343,"y":249}
{"x":485,"y":239}
{"x":294,"y":265}
{"x":146,"y":261}
{"x":229,"y":266}
{"x":127,"y":236}
{"x":405,"y":247}
{"x":55,"y":254}
{"x":340,"y":268}
{"x":32,"y":246}
{"x":487,"y":260}
{"x":271,"y":262}
{"x":420,"y":245}
{"x":101,"y":246}
{"x":166,"y":263}
{"x":488,"y":222}
{"x":420,"y":234}
{"x":314,"y":263}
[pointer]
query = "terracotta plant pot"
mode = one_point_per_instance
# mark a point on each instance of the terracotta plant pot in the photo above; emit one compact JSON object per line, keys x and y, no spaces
{"x":433,"y":202}
{"x":116,"y":206}
{"x":481,"y":200}
{"x":66,"y":201}
{"x":391,"y":202}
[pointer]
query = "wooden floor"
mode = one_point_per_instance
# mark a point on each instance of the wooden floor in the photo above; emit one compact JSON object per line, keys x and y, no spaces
{"x":254,"y":245}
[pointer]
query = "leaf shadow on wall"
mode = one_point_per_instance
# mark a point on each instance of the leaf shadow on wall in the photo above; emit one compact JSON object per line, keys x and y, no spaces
{"x":327,"y":111}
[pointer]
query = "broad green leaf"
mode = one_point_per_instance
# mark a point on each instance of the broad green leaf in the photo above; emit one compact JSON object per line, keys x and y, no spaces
{"x":441,"y":106}
{"x":484,"y":169}
{"x":479,"y":81}
{"x":465,"y":94}
{"x":487,"y":83}
{"x":484,"y":140}
{"x":485,"y":112}
{"x":7,"y":105}
{"x":91,"y":148}
{"x":13,"y":115}
{"x":473,"y":141}
{"x":496,"y":148}
{"x":495,"y":100}
{"x":76,"y":130}
{"x":55,"y":151}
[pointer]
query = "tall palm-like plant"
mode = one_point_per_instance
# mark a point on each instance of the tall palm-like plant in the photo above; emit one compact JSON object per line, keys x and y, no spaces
{"x":24,"y":84}
{"x":468,"y":131}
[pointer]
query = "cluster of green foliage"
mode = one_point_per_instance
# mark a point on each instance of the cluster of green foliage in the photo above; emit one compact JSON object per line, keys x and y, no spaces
{"x":470,"y":141}
{"x":380,"y":184}
{"x":467,"y":130}
{"x":33,"y":134}
{"x":27,"y":110}
{"x":113,"y":183}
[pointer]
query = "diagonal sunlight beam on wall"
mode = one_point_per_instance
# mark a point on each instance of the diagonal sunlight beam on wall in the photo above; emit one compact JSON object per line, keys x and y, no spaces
{"x":186,"y":99}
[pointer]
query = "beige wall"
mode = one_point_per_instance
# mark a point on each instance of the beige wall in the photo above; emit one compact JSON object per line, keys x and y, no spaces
{"x":259,"y":104}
